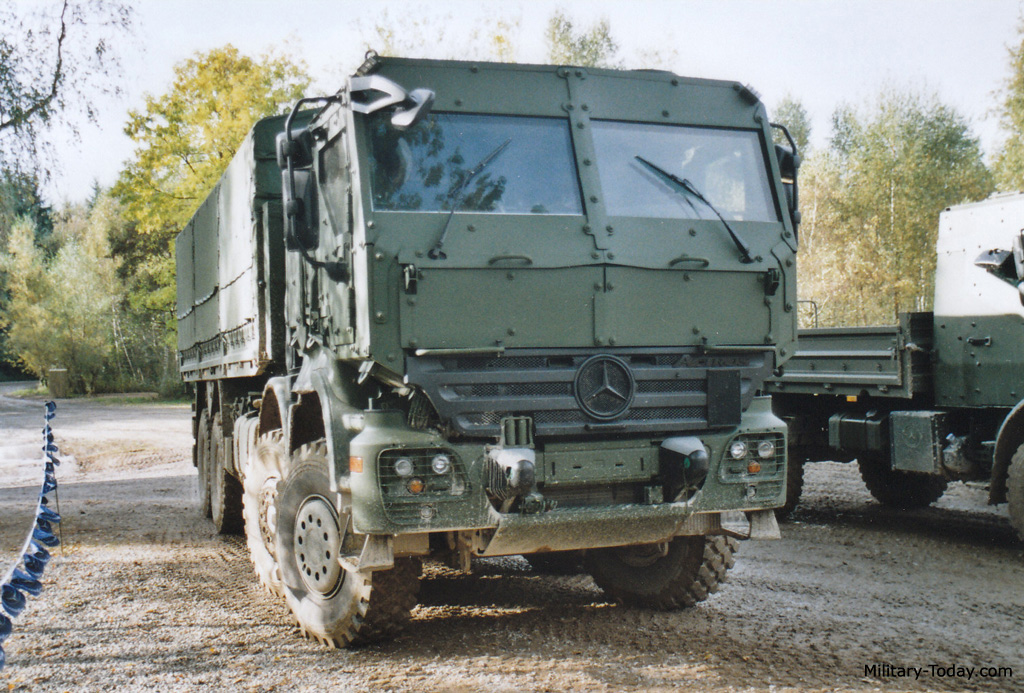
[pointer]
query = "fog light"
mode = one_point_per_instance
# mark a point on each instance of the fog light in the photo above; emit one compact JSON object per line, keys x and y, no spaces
{"x":441,"y":464}
{"x":404,"y":466}
{"x":738,"y":449}
{"x":765,"y":449}
{"x":416,"y":486}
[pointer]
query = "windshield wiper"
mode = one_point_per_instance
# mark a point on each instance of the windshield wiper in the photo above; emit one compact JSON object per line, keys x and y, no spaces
{"x":456,"y":195}
{"x":684,"y":185}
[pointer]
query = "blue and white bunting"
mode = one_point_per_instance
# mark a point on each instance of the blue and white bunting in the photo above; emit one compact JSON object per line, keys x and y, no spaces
{"x":24,"y":577}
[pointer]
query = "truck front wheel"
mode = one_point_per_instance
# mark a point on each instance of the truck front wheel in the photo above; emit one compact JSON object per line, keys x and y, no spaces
{"x":1015,"y":491}
{"x":332,"y":603}
{"x":666,"y":576}
{"x":896,"y":488}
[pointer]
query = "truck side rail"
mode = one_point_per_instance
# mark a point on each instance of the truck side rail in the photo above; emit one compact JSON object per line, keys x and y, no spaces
{"x":885,"y":361}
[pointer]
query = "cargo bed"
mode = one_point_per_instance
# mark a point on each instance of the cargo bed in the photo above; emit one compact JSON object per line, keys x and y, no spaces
{"x":887,"y":361}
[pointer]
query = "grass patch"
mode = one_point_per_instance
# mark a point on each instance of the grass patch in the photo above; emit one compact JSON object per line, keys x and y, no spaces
{"x":30,"y":392}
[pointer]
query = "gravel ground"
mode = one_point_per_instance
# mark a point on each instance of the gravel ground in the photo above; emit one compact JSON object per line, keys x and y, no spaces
{"x":147,"y":597}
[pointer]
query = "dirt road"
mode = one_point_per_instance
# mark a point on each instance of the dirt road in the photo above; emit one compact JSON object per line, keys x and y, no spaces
{"x":147,"y":597}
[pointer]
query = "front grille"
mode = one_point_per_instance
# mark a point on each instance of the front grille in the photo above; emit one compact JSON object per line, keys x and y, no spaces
{"x":594,"y":496}
{"x":672,"y":390}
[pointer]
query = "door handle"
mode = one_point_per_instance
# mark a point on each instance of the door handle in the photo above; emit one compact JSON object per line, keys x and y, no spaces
{"x":521,"y":260}
{"x":700,"y":262}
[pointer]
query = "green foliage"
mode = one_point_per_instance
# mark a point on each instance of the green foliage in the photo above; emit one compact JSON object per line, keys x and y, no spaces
{"x":55,"y":59}
{"x":60,"y":311}
{"x":791,"y":113}
{"x":871,"y":202}
{"x":1009,"y":161}
{"x":186,"y":138}
{"x":591,"y":47}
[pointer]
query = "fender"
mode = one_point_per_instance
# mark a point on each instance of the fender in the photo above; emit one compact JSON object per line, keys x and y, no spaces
{"x":332,"y":385}
{"x":277,"y":402}
{"x":1009,"y":438}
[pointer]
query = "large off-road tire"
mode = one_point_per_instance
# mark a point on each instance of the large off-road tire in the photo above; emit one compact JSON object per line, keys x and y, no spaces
{"x":896,"y":488}
{"x":203,"y":463}
{"x":337,"y":606}
{"x":263,"y":472}
{"x":557,"y":562}
{"x":794,"y":487}
{"x":1015,"y":491}
{"x":663,"y":576}
{"x":225,"y":489}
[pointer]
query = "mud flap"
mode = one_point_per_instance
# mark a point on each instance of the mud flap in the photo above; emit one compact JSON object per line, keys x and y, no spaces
{"x":378,"y":554}
{"x":755,"y":524}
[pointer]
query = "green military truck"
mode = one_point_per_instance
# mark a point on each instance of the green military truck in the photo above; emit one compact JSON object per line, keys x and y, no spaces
{"x":465,"y":309}
{"x":938,"y":396}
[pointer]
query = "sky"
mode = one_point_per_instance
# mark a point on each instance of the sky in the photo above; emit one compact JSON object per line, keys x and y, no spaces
{"x":824,"y":53}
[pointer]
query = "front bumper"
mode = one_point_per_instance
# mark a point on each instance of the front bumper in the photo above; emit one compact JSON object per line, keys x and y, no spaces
{"x":593,"y":518}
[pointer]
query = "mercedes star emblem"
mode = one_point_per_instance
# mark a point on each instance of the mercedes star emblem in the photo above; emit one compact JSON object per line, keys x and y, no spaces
{"x":604,"y":387}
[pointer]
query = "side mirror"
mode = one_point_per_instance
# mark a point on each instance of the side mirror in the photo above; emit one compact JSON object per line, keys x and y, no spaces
{"x":299,"y":148}
{"x":422,"y":100}
{"x":411,"y":107}
{"x":999,"y":263}
{"x":1018,"y":254}
{"x":295,"y":159}
{"x":789,"y":165}
{"x":300,"y":211}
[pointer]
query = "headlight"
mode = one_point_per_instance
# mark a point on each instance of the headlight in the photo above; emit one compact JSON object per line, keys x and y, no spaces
{"x":441,"y":464}
{"x":738,"y":449}
{"x":765,"y":449}
{"x":404,"y":466}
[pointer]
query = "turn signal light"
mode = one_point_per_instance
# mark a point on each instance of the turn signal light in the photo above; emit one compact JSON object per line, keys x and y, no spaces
{"x":355,"y":464}
{"x":416,"y":486}
{"x":753,"y":467}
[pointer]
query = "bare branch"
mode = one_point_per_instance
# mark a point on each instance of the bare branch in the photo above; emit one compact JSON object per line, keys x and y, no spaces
{"x":58,"y":72}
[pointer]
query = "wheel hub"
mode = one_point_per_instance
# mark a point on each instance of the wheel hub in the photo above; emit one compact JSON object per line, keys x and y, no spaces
{"x":317,"y":544}
{"x":268,"y":515}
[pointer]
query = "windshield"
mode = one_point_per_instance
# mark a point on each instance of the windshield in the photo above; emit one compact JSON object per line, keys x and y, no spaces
{"x":474,"y":163}
{"x":726,"y":166}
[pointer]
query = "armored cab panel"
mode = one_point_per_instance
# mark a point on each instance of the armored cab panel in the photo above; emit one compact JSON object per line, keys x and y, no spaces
{"x":226,"y":264}
{"x":979,"y":319}
{"x":567,"y":240}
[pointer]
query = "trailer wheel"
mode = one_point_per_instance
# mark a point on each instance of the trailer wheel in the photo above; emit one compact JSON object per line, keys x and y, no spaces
{"x":667,"y":576}
{"x":263,"y":472}
{"x":896,"y":488}
{"x":203,"y":463}
{"x":225,"y":489}
{"x":794,"y":488}
{"x":1015,"y":491}
{"x":332,"y":604}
